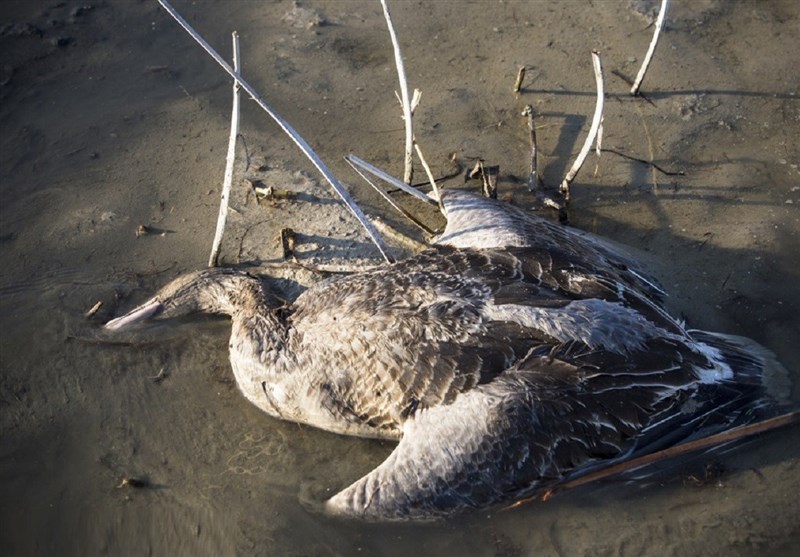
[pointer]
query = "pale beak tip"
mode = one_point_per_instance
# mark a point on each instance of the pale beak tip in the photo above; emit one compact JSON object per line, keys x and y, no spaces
{"x":141,"y":313}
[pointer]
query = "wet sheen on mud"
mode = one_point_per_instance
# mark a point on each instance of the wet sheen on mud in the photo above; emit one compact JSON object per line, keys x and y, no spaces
{"x":112,"y":118}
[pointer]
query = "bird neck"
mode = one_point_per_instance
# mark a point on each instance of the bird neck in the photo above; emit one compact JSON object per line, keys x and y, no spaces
{"x":261,"y":360}
{"x":258,"y":319}
{"x":259,"y":328}
{"x":231,"y":293}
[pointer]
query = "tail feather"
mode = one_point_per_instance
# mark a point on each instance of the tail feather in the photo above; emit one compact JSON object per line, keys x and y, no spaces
{"x":750,"y":361}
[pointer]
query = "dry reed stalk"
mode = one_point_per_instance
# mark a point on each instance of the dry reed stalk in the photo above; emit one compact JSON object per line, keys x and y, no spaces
{"x":229,"y":161}
{"x":408,"y":173}
{"x":596,"y":123}
{"x":389,"y":179}
{"x":662,"y":14}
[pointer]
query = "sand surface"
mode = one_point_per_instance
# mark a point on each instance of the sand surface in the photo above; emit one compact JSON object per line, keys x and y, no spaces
{"x":111,"y":118}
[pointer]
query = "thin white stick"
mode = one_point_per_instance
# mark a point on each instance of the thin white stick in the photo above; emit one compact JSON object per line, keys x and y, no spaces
{"x":228,"y":180}
{"x":596,"y":120}
{"x":286,"y":127}
{"x":436,"y":191}
{"x":389,"y":199}
{"x":389,"y":179}
{"x":662,"y":14}
{"x":401,"y":75}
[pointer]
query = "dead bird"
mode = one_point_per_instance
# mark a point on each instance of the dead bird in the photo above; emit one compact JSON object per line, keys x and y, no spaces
{"x":501,"y":371}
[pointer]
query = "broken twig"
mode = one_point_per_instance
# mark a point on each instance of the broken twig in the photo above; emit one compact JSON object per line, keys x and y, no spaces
{"x":596,"y":122}
{"x":231,"y":158}
{"x":288,"y":239}
{"x":408,"y":173}
{"x":710,"y":442}
{"x":360,"y":171}
{"x":534,"y":181}
{"x":290,"y":131}
{"x":520,"y":79}
{"x":662,"y":14}
{"x":159,"y":377}
{"x":94,"y":309}
{"x":436,"y":191}
{"x":388,"y":178}
{"x":135,"y":483}
{"x":649,"y":163}
{"x":489,"y":176}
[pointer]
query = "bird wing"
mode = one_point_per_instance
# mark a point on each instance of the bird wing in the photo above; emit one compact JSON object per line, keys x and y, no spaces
{"x":532,"y":427}
{"x":561,"y":412}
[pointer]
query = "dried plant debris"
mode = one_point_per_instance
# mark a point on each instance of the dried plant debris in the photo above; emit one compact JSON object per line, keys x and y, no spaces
{"x":520,"y":78}
{"x":94,"y":309}
{"x":146,"y":230}
{"x":131,"y":482}
{"x":159,"y":377}
{"x":270,"y":193}
{"x":488,"y":176}
{"x":288,"y":240}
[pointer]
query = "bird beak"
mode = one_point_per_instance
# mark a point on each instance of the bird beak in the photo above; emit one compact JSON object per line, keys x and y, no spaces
{"x":141,"y":313}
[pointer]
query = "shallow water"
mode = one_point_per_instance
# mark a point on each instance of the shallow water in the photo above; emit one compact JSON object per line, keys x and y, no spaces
{"x":126,"y":124}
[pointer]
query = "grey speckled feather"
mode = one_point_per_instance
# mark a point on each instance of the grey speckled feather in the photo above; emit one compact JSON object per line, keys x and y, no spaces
{"x":500,"y":370}
{"x":475,"y":221}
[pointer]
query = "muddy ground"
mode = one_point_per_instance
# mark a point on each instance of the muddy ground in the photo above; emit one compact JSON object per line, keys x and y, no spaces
{"x":112,"y":118}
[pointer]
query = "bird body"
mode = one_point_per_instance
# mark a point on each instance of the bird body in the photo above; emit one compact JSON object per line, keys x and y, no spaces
{"x":501,"y":371}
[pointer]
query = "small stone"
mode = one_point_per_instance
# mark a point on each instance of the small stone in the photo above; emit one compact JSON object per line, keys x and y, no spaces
{"x":61,"y":41}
